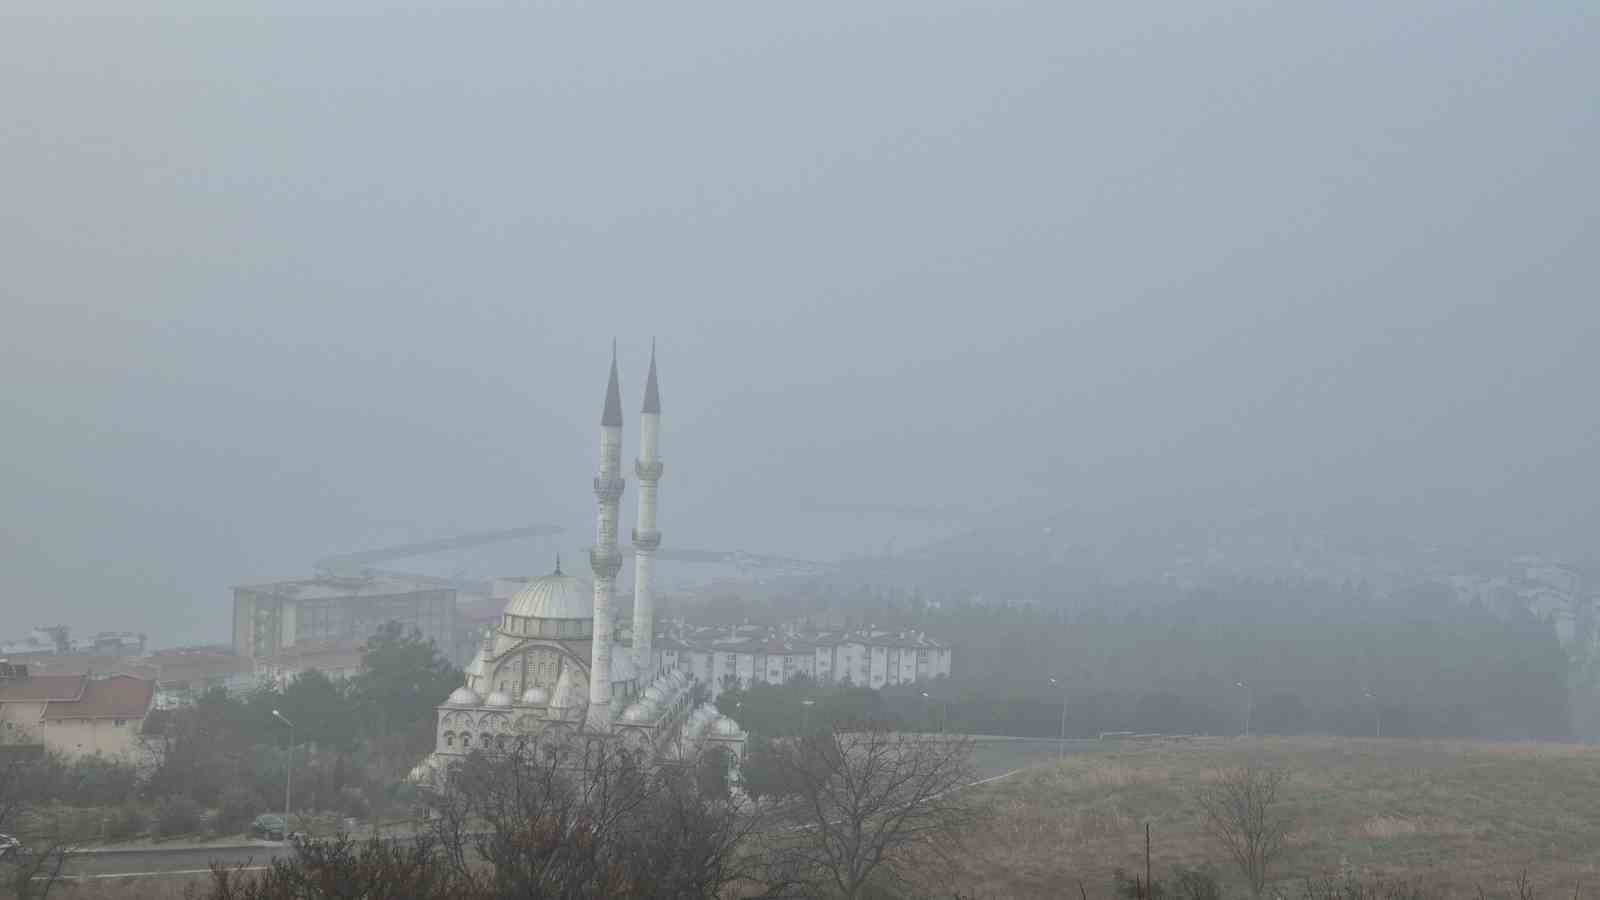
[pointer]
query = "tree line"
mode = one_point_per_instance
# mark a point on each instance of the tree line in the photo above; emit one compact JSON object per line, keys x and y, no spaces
{"x":215,"y":765}
{"x":1280,"y":656}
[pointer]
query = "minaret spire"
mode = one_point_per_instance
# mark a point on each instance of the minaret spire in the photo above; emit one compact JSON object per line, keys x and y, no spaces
{"x":652,"y":396}
{"x":603,"y":557}
{"x":646,"y":539}
{"x":612,"y":417}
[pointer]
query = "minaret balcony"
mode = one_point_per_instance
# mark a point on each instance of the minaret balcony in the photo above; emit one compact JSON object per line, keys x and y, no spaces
{"x":648,"y":471}
{"x":605,"y":561}
{"x":609,"y":490}
{"x":647,"y":540}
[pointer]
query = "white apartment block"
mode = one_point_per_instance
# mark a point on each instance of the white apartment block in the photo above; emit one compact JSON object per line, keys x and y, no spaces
{"x":872,"y":658}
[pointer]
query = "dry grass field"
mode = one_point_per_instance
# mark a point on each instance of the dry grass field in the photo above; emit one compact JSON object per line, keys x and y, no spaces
{"x":1459,"y":815}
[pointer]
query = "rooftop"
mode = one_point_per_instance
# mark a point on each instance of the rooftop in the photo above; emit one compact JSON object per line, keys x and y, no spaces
{"x":35,"y":688}
{"x":119,"y":697}
{"x":332,"y":586}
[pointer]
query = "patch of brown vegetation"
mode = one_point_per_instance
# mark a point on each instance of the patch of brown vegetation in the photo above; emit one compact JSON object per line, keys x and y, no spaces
{"x":1458,"y":814}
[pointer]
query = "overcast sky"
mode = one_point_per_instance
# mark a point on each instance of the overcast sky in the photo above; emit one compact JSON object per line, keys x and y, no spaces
{"x":300,"y":283}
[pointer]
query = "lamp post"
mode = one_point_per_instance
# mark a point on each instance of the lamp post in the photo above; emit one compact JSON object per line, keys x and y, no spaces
{"x":1062,"y":746}
{"x":805,"y":716}
{"x":927,"y":699}
{"x":288,"y":772}
{"x":1249,"y":704}
{"x":1377,"y":715}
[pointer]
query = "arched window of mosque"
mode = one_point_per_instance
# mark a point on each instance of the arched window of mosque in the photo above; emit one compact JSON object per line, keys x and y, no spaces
{"x":466,"y":739}
{"x":449,"y":738}
{"x":488,"y":740}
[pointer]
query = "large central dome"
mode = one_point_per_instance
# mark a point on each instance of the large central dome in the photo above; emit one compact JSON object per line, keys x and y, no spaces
{"x":555,"y":596}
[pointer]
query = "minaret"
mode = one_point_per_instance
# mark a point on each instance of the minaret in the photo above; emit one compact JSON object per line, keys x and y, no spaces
{"x":645,"y":536}
{"x":603,"y":557}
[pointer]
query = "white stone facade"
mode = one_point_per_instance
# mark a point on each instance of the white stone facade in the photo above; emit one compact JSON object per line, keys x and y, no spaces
{"x":551,"y":669}
{"x":872,"y":658}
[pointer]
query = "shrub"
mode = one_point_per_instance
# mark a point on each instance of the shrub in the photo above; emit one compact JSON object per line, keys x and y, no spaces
{"x":352,"y":802}
{"x":235,"y":811}
{"x":124,"y":823}
{"x":1184,"y":884}
{"x":1351,"y":888}
{"x":176,"y":816}
{"x":97,"y":781}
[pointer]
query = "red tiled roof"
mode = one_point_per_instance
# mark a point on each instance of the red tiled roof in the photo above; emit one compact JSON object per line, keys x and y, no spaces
{"x":43,"y":687}
{"x":119,"y":697}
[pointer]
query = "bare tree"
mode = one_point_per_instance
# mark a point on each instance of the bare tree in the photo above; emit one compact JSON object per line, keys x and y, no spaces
{"x":32,"y":870}
{"x":863,"y":798}
{"x":342,"y":868}
{"x":1245,"y":811}
{"x":564,"y":819}
{"x":580,"y":818}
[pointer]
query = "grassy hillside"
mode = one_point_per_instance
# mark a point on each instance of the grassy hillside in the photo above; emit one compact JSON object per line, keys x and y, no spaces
{"x":1462,"y":815}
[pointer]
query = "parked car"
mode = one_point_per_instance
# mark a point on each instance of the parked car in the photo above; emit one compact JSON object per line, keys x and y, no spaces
{"x":269,"y":826}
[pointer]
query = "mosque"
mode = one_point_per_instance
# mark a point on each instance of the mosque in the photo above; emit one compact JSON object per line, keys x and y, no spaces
{"x":551,"y":669}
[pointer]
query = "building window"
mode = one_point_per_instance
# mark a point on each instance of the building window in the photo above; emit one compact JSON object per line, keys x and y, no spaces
{"x":449,"y":738}
{"x":119,"y":722}
{"x":466,"y":739}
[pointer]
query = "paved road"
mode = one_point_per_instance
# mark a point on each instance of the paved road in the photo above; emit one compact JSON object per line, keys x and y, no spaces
{"x":189,"y":862}
{"x":993,"y":757}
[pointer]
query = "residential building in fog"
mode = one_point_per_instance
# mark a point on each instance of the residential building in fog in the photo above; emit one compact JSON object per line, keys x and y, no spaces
{"x":868,"y":657}
{"x":75,"y":715}
{"x":272,"y":618}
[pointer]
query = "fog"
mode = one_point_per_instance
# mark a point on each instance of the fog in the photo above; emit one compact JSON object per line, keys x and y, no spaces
{"x":283,"y":285}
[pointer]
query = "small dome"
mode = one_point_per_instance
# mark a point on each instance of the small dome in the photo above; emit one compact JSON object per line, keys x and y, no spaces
{"x":463,"y":696}
{"x":636,"y":713}
{"x":497,"y":698}
{"x":536,"y":696}
{"x":555,"y":596}
{"x":727,"y":726}
{"x":654,"y":694}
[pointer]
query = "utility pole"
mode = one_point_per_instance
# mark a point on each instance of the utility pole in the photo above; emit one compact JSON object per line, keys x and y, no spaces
{"x":1249,"y":704}
{"x":288,"y":772}
{"x":1061,"y":747}
{"x":1149,"y":886}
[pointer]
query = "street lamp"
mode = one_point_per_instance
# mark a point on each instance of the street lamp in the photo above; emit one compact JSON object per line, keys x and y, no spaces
{"x":288,"y":772}
{"x":926,"y":699}
{"x":1377,"y":715}
{"x":1062,"y":746}
{"x":805,"y":716}
{"x":1249,"y":704}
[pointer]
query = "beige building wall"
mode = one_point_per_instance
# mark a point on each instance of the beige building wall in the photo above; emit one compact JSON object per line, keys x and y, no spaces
{"x":19,"y":721}
{"x":86,"y":737}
